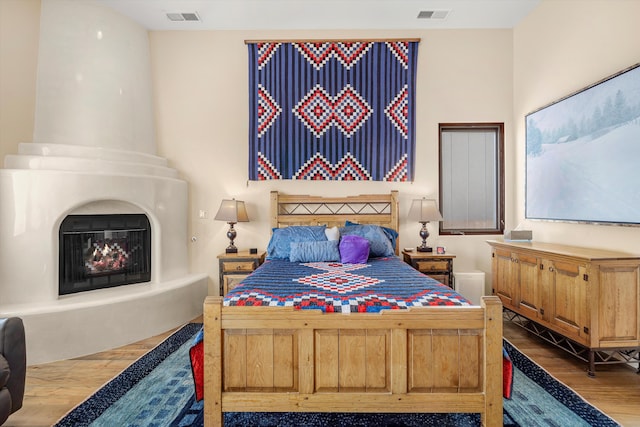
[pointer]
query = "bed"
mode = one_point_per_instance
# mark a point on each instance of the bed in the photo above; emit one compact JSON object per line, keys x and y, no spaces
{"x":280,"y":358}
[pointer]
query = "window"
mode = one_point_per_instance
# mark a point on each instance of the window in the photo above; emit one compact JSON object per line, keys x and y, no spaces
{"x":472,"y":178}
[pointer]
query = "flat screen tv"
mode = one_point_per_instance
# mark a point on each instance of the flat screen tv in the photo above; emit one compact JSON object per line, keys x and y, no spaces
{"x":583,"y":154}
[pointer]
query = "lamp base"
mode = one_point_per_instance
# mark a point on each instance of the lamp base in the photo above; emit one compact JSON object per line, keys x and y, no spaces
{"x":424,"y":249}
{"x":230,"y":250}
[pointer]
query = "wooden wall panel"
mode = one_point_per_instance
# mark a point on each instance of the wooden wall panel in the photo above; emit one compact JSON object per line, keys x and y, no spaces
{"x":470,"y":363}
{"x":326,"y":360}
{"x":285,"y":374}
{"x":259,"y":359}
{"x":352,"y":366}
{"x":235,"y":359}
{"x":378,"y":360}
{"x":421,"y":376}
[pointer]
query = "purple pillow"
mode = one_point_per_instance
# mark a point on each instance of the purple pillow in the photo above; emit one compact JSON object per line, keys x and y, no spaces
{"x":354,"y":249}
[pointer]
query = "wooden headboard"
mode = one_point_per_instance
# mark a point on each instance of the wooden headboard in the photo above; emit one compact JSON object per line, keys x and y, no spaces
{"x":380,"y":209}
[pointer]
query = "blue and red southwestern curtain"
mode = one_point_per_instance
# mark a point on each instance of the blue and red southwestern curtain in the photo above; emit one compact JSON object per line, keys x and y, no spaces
{"x":332,"y":110}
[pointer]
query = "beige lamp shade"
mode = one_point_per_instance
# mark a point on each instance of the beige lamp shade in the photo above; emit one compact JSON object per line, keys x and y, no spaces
{"x":232,"y":211}
{"x":424,"y":210}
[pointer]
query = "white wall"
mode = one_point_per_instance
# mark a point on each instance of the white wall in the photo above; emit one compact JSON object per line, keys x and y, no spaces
{"x":562,"y":47}
{"x":19,"y":34}
{"x":201,"y":90}
{"x":93,"y":79}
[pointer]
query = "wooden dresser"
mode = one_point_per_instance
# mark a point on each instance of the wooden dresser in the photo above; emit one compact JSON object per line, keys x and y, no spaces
{"x":571,"y":295}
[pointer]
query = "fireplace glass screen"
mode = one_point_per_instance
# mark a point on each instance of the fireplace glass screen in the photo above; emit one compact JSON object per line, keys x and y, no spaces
{"x":103,"y":251}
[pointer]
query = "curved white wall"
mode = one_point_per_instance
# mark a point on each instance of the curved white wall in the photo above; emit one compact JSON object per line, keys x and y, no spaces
{"x":94,"y":78}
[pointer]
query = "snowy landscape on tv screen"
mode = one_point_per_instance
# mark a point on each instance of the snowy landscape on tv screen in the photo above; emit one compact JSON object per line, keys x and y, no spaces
{"x":583,"y":154}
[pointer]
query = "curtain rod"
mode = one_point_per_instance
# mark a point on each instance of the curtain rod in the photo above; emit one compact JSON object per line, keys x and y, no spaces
{"x":331,"y":41}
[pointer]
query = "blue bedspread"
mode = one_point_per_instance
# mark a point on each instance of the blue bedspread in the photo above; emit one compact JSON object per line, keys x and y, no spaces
{"x":381,"y":283}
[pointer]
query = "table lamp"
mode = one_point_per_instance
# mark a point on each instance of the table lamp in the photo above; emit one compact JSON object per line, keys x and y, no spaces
{"x":424,"y":210}
{"x":232,"y":211}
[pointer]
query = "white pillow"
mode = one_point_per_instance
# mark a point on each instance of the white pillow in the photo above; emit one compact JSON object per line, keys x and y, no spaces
{"x":332,"y":233}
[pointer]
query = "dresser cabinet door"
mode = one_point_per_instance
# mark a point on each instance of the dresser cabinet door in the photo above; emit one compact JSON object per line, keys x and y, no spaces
{"x":619,"y":291}
{"x":505,"y":278}
{"x":569,"y":292}
{"x":529,"y":295}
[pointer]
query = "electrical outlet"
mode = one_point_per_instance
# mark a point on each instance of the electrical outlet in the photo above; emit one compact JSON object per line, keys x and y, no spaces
{"x":202,"y":214}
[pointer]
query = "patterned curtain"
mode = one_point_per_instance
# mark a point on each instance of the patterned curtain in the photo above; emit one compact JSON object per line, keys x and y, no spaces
{"x":332,"y":110}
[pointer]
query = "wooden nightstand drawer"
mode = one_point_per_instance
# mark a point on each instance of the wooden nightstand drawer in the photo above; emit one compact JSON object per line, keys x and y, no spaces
{"x":442,"y":278}
{"x":231,"y":266}
{"x":234,"y":267}
{"x":432,"y":266}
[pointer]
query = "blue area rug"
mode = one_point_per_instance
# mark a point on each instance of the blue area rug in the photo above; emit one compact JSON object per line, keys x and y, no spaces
{"x":157,"y":390}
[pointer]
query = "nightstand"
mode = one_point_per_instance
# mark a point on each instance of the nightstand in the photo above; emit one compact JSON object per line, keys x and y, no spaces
{"x":235,"y":267}
{"x":437,"y":266}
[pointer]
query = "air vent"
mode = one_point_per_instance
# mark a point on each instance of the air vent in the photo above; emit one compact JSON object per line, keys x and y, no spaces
{"x":188,"y":16}
{"x":433,"y":14}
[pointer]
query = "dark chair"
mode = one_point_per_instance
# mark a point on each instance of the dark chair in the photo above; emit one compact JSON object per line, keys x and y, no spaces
{"x":13,"y":366}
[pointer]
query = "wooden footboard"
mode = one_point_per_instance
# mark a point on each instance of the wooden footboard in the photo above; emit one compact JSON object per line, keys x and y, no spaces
{"x":278,"y":359}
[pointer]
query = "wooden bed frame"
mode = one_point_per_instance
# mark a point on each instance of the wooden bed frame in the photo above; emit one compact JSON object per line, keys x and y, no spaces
{"x":278,"y":359}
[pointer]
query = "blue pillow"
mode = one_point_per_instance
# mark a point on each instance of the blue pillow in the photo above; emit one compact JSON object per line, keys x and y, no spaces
{"x":354,"y":249}
{"x":380,"y":245}
{"x":392,"y":235}
{"x":390,"y":232}
{"x":279,"y":246}
{"x":314,"y":251}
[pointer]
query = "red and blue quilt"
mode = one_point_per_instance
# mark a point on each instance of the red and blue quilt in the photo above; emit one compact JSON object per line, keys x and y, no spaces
{"x":380,"y":284}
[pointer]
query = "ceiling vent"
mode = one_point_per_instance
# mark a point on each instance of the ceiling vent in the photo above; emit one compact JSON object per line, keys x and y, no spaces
{"x":188,"y":16}
{"x":433,"y":14}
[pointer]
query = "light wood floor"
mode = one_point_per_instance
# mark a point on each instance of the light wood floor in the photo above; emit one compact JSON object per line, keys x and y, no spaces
{"x":53,"y":389}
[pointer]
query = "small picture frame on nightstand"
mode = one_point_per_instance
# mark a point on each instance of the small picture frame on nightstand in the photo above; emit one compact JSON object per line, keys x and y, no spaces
{"x":440,"y":250}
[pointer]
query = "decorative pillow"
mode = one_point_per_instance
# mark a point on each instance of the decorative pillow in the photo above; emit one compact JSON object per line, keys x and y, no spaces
{"x":314,"y":251}
{"x":332,"y":233}
{"x":354,"y":249}
{"x":392,"y":235}
{"x":390,"y":232}
{"x":380,"y":245}
{"x":279,"y":246}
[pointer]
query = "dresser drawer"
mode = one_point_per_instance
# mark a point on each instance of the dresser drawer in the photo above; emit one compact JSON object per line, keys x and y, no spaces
{"x":432,"y":266}
{"x":233,"y":266}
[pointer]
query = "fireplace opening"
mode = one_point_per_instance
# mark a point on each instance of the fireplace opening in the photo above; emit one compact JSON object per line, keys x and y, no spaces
{"x":103,"y":251}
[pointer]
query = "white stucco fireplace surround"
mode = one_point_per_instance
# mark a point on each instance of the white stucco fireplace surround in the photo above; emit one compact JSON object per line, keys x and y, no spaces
{"x":93,"y":152}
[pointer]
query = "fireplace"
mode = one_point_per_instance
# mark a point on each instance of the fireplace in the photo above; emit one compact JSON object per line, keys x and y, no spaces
{"x":103,"y":251}
{"x":93,"y":155}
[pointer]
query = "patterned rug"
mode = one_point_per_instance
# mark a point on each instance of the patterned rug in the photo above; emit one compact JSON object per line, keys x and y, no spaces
{"x":157,"y":390}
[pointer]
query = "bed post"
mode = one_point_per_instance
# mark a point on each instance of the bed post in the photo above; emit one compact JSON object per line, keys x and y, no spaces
{"x":395,"y":218}
{"x":213,"y":361}
{"x":274,"y":209}
{"x":492,"y":415}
